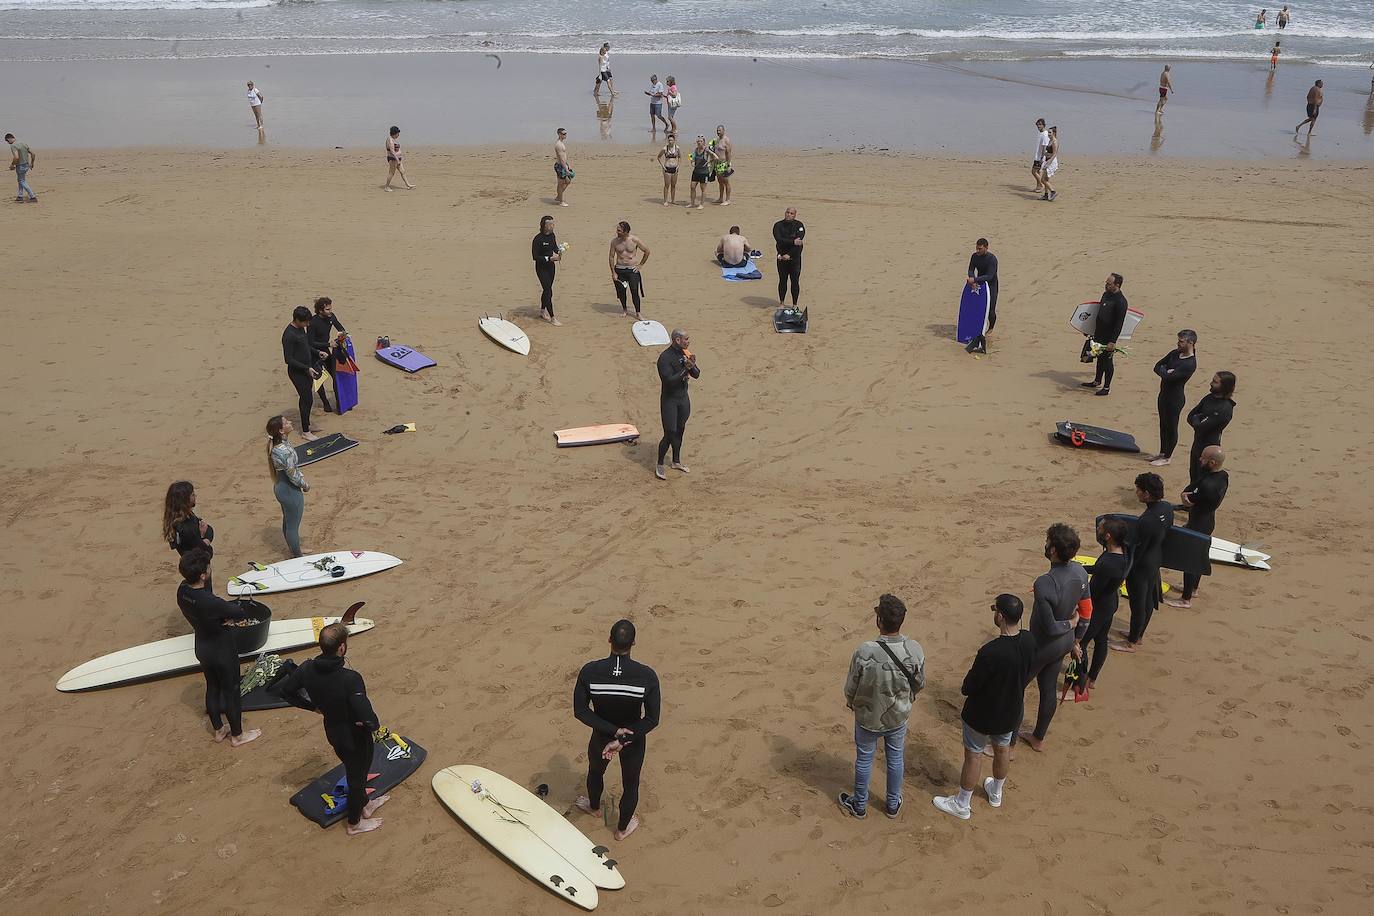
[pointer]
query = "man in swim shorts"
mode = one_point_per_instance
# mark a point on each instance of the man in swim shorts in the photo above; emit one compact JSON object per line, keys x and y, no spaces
{"x":561,"y":166}
{"x":625,"y":273}
{"x":1042,"y":140}
{"x":1166,"y":85}
{"x":675,"y":365}
{"x":733,"y":249}
{"x":723,"y":149}
{"x":1314,"y":107}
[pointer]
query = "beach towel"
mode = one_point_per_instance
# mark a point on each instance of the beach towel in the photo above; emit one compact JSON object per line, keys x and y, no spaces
{"x":748,"y":272}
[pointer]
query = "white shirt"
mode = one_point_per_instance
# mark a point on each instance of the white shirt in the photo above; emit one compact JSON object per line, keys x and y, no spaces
{"x":254,"y":97}
{"x":605,"y":60}
{"x":659,"y":91}
{"x":1041,"y":142}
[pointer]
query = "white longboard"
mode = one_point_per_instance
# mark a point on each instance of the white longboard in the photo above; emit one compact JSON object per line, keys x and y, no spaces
{"x":307,"y":572}
{"x":595,"y":435}
{"x":503,"y":819}
{"x":651,"y":334}
{"x":1084,"y":319}
{"x":178,"y":654}
{"x":505,"y":333}
{"x":1233,"y":554}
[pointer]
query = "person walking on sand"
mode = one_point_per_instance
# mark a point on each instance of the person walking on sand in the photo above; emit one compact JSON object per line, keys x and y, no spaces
{"x":1146,"y":556}
{"x":994,"y":700}
{"x":675,"y":366}
{"x":1111,"y":317}
{"x":1104,"y":588}
{"x":1061,"y":597}
{"x":668,"y":158}
{"x":982,"y":268}
{"x":1174,"y":369}
{"x":885,"y":674}
{"x":1166,"y":86}
{"x":626,"y":274}
{"x":255,"y":100}
{"x":1051,"y":165}
{"x":395,"y":162}
{"x":673,"y":98}
{"x":1314,"y":107}
{"x":1042,"y":140}
{"x":656,"y":92}
{"x":603,"y":70}
{"x":326,"y":685}
{"x":1202,"y":497}
{"x":546,"y":254}
{"x":289,"y":485}
{"x":703,"y":168}
{"x":618,"y":698}
{"x":1210,"y":418}
{"x":724,"y":150}
{"x":789,"y":233}
{"x":562,"y":168}
{"x":22,"y":160}
{"x":1274,"y":58}
{"x":209,"y":616}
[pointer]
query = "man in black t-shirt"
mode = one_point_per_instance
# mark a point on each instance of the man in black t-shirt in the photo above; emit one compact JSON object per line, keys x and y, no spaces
{"x":994,"y":687}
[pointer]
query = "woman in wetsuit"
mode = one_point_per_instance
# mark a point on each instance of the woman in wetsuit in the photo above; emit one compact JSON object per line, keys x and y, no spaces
{"x":219,"y":659}
{"x":321,"y":328}
{"x":544,"y":249}
{"x":290,"y":487}
{"x":1174,"y":369}
{"x":182,"y":529}
{"x":668,"y":157}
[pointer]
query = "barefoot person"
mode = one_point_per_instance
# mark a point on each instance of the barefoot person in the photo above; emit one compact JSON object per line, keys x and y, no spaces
{"x":1061,"y":595}
{"x":1042,"y":140}
{"x":255,"y":99}
{"x":618,"y":699}
{"x":626,"y":275}
{"x":1104,"y":588}
{"x":885,"y":674}
{"x":1051,"y":165}
{"x":733,"y":249}
{"x":319,"y":335}
{"x":703,"y":166}
{"x":1210,"y":418}
{"x":675,"y":366}
{"x":1314,"y":107}
{"x":668,"y":158}
{"x":546,"y":254}
{"x":788,"y":235}
{"x":674,"y":101}
{"x":1174,"y":369}
{"x":1274,"y":58}
{"x":1202,"y":497}
{"x":1111,"y":317}
{"x":395,"y":162}
{"x":208,"y":615}
{"x":326,"y":685}
{"x":300,"y":364}
{"x":1166,"y":86}
{"x":22,"y":160}
{"x":603,"y":70}
{"x":1146,"y":555}
{"x":182,"y":529}
{"x":289,"y":486}
{"x":994,"y":690}
{"x":982,"y":268}
{"x":656,"y":92}
{"x":562,"y":168}
{"x":724,"y":152}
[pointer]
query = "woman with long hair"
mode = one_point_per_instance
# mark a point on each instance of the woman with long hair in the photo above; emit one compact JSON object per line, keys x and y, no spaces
{"x":182,"y":529}
{"x":290,"y":487}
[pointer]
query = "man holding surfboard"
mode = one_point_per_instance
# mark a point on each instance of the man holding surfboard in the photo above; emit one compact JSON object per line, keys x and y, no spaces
{"x":1146,"y":556}
{"x":1111,"y":317}
{"x":675,"y":366}
{"x":982,"y":268}
{"x":1202,"y":497}
{"x":209,"y":615}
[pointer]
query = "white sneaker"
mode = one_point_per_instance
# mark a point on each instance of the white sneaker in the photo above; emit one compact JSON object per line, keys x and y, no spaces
{"x":950,"y":805}
{"x":993,"y":799}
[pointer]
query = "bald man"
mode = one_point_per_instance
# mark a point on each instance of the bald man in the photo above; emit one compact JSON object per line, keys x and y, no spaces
{"x":1202,"y":500}
{"x":675,"y":366}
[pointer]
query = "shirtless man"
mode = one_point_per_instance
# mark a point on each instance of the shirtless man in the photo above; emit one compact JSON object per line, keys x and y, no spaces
{"x":1166,"y":86}
{"x":625,"y":273}
{"x":1314,"y":107}
{"x":561,"y":166}
{"x":733,"y":249}
{"x":723,"y":148}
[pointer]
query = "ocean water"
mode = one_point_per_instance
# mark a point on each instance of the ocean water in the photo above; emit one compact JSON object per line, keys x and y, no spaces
{"x":1327,"y":32}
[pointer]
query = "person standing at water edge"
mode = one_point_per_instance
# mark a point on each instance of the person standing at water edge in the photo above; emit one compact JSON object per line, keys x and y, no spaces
{"x":994,"y":690}
{"x":1274,"y":58}
{"x":1315,"y":96}
{"x":289,"y":486}
{"x":562,"y":168}
{"x":1166,"y":86}
{"x":733,"y":249}
{"x":982,"y":268}
{"x":675,"y":365}
{"x":723,"y":149}
{"x":209,"y":615}
{"x":1203,"y":498}
{"x":1111,"y":316}
{"x":618,"y":699}
{"x":1262,"y":19}
{"x":1042,"y":140}
{"x":674,"y":99}
{"x":603,"y":70}
{"x":1146,"y":556}
{"x":22,"y":160}
{"x":789,"y":233}
{"x":395,"y":162}
{"x":626,"y":275}
{"x":326,"y":685}
{"x":1210,"y":418}
{"x":656,"y":93}
{"x":885,"y":674}
{"x":1174,"y":369}
{"x":546,"y":254}
{"x":1060,"y":597}
{"x":255,"y":100}
{"x":1283,"y":18}
{"x":300,"y":364}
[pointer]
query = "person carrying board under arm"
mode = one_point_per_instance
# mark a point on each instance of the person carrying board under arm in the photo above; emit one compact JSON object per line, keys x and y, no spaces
{"x":1111,"y":316}
{"x":982,"y":268}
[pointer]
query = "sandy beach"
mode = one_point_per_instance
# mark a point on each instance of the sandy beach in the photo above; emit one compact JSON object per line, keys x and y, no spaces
{"x":1221,"y":771}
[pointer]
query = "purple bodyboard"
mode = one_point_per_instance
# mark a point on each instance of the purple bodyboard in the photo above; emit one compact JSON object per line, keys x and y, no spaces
{"x":404,"y":358}
{"x":346,"y":383}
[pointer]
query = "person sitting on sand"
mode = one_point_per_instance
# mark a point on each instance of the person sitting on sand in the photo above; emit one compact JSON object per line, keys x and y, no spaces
{"x":733,"y":249}
{"x":208,"y":615}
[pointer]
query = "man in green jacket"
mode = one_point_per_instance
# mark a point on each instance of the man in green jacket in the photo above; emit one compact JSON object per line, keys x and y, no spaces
{"x":885,"y":674}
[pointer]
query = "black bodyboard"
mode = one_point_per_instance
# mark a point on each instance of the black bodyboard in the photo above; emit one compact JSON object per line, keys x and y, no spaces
{"x":791,"y":321}
{"x":323,"y":447}
{"x":391,"y":764}
{"x":1184,"y":550}
{"x":1081,"y":436}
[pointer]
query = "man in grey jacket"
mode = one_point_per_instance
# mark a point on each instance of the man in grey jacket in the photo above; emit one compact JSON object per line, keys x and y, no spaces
{"x":885,"y":674}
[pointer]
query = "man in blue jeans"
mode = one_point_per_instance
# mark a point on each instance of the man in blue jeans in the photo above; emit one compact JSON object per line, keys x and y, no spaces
{"x":21,"y":160}
{"x":885,"y":674}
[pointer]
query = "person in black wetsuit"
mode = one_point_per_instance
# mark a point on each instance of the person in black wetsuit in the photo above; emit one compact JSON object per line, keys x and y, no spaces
{"x":675,"y":365}
{"x":1060,"y":596}
{"x":982,"y":268}
{"x":338,"y":694}
{"x":300,"y":364}
{"x":182,"y":529}
{"x":1211,"y":415}
{"x":1111,"y":315}
{"x":1146,"y":555}
{"x":1203,"y":497}
{"x":1104,"y":587}
{"x":322,"y":326}
{"x":618,"y":699}
{"x":1174,"y":369}
{"x":546,"y":254}
{"x":219,"y":660}
{"x":789,"y":233}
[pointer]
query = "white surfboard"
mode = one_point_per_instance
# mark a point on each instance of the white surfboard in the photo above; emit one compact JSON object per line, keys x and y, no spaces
{"x":1233,"y":554}
{"x":595,"y":435}
{"x":1084,"y":319}
{"x":178,"y":654}
{"x":651,"y":334}
{"x":505,"y":333}
{"x":503,"y":819}
{"x":307,"y":572}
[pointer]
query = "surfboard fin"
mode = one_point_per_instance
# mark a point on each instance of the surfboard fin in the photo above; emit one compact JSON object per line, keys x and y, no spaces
{"x":348,"y":615}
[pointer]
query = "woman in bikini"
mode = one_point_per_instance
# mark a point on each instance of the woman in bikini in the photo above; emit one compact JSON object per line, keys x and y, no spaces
{"x":394,"y":162}
{"x":667,"y":157}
